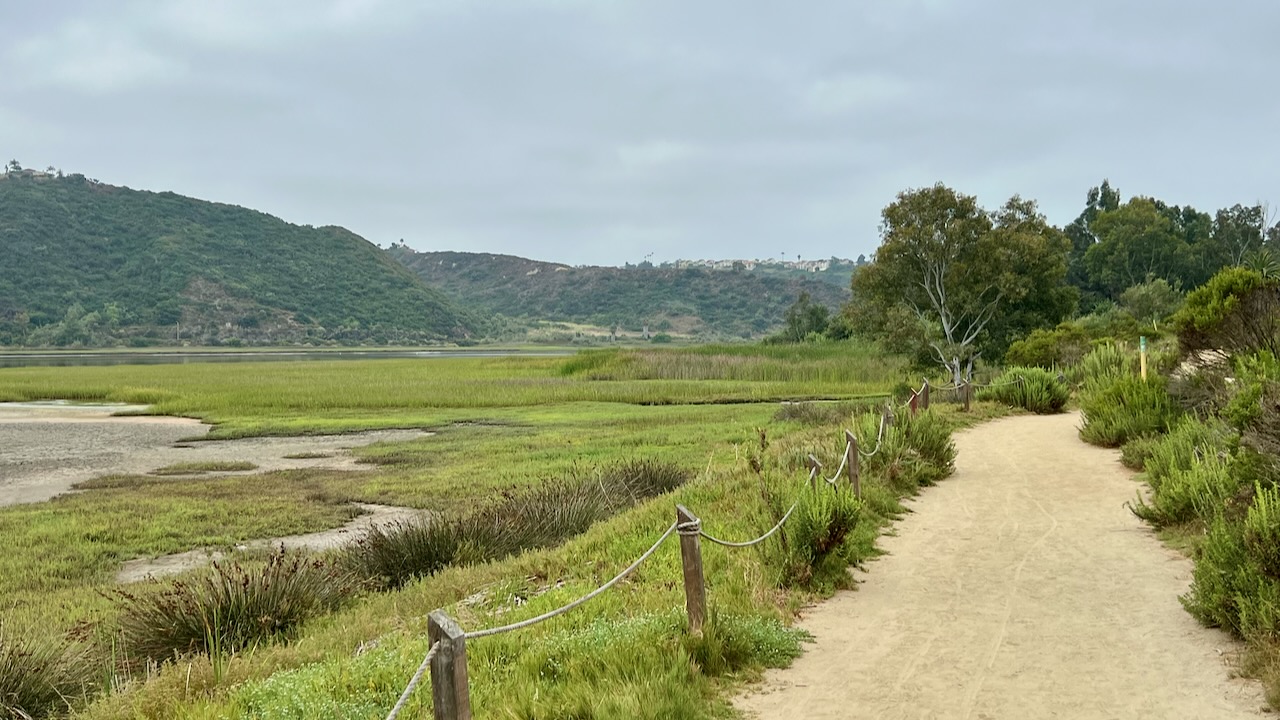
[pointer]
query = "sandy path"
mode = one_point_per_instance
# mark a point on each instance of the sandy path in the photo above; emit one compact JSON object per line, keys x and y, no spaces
{"x":1019,"y":588}
{"x":47,"y":447}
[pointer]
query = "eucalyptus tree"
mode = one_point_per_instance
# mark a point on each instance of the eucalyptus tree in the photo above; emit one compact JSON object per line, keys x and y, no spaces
{"x":956,"y":281}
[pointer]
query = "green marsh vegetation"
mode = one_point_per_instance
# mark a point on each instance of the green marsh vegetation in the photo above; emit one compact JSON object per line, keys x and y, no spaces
{"x":507,"y":430}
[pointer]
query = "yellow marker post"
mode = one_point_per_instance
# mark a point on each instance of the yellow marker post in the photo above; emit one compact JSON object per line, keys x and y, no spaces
{"x":1142,"y":347}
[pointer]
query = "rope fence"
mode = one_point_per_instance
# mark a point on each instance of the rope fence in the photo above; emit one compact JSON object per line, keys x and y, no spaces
{"x":447,"y":660}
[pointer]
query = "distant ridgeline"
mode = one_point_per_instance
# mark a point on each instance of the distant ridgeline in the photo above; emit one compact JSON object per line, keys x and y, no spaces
{"x":84,"y":263}
{"x":720,"y":298}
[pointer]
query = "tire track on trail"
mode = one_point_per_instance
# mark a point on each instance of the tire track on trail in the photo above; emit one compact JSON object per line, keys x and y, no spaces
{"x":1021,"y":587}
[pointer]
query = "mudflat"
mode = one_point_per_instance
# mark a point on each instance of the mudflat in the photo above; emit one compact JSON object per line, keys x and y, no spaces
{"x":48,"y":447}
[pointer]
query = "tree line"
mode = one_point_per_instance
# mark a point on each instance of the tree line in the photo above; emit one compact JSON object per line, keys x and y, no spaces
{"x":953,"y":283}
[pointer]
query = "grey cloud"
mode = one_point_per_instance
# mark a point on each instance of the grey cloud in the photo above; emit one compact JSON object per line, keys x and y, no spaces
{"x":603,"y":130}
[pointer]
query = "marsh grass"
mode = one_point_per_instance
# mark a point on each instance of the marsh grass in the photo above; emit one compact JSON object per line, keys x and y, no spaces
{"x":278,"y":398}
{"x":505,"y":426}
{"x":230,"y":607}
{"x":205,"y":466}
{"x":41,"y":674}
{"x":544,"y":515}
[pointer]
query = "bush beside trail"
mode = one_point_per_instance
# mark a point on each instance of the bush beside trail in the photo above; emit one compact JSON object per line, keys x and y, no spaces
{"x":1208,"y":443}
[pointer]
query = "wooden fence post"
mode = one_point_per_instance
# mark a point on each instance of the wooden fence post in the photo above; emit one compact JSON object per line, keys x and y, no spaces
{"x":852,"y":462}
{"x":695,"y":588}
{"x":915,"y":402}
{"x":450,"y":690}
{"x":967,"y":391}
{"x":924,"y":397}
{"x":815,"y":468}
{"x":887,"y":417}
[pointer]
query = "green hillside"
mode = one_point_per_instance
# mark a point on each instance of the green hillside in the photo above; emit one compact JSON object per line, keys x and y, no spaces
{"x":83,"y":263}
{"x":709,"y":302}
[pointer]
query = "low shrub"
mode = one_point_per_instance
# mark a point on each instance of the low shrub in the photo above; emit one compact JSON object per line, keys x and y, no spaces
{"x":730,"y":643}
{"x":1235,"y":584}
{"x":1221,"y":576}
{"x":1118,"y":410}
{"x":1182,"y":494}
{"x":812,"y":542}
{"x":914,"y":452}
{"x":40,"y":675}
{"x":1030,"y":388}
{"x":1049,"y":349}
{"x":230,"y":607}
{"x":1107,"y":362}
{"x":546,"y":515}
{"x":1135,"y":453}
{"x":1188,"y":441}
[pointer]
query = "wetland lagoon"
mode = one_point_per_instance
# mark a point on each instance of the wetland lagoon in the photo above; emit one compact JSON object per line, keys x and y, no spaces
{"x":511,"y":440}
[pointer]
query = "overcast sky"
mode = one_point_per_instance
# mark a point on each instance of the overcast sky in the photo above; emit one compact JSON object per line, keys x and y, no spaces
{"x":600,"y":131}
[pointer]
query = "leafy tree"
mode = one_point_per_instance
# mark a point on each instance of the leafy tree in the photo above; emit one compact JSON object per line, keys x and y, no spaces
{"x":804,"y":318}
{"x":1137,"y":241}
{"x":972,"y":280}
{"x":1237,"y":231}
{"x":1100,"y":199}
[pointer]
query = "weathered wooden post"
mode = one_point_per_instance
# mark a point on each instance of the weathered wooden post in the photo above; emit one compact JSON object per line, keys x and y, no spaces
{"x":852,"y":461}
{"x":924,"y":395}
{"x":815,"y":467}
{"x":695,"y":588}
{"x":915,"y":402}
{"x":450,"y":690}
{"x":967,"y":392}
{"x":887,"y":417}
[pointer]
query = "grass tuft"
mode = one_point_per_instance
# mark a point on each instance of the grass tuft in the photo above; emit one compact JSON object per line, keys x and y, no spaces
{"x":230,"y":607}
{"x":40,"y":674}
{"x":205,"y":466}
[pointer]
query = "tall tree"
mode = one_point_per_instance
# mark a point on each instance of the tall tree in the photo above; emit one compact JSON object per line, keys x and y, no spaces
{"x":1137,"y":241}
{"x":1100,"y":199}
{"x":970,"y":279}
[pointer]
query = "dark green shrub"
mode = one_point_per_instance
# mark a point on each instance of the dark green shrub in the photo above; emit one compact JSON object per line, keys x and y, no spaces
{"x":230,"y":607}
{"x":40,"y":674}
{"x":1030,"y":388}
{"x":1121,"y":409}
{"x":1237,"y":312}
{"x":1063,"y":346}
{"x":1235,"y":583}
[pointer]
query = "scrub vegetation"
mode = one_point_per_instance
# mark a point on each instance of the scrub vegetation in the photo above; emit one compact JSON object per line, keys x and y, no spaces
{"x":1204,"y":428}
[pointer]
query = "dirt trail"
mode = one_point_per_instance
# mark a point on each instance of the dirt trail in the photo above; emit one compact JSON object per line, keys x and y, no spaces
{"x":1019,"y":588}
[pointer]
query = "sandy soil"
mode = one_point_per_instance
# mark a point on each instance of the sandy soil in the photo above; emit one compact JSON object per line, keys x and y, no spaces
{"x":45,"y":448}
{"x":142,"y":568}
{"x":1020,"y":588}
